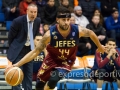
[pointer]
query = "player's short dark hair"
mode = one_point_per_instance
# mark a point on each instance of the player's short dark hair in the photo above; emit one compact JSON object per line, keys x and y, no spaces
{"x":63,"y":10}
{"x":110,"y":39}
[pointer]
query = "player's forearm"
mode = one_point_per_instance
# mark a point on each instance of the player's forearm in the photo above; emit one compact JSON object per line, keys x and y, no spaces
{"x":28,"y":57}
{"x":95,"y":39}
{"x":32,"y":54}
{"x":101,"y":61}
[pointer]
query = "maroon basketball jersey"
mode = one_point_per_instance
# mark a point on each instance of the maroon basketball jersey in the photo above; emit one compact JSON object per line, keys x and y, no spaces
{"x":61,"y":48}
{"x":61,"y":52}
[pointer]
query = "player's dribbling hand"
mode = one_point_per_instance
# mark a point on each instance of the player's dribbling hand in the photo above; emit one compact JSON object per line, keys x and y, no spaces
{"x":101,"y":49}
{"x":8,"y":67}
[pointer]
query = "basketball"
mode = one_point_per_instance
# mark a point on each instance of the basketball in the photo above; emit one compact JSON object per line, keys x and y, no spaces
{"x":14,"y":76}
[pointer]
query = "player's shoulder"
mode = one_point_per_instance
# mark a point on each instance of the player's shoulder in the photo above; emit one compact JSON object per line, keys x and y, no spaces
{"x":75,"y":25}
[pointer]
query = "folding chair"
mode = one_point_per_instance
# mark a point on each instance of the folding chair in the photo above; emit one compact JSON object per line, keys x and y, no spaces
{"x":98,"y":4}
{"x":109,"y":86}
{"x":8,"y":24}
{"x":0,"y":6}
{"x":2,"y":17}
{"x":119,"y":7}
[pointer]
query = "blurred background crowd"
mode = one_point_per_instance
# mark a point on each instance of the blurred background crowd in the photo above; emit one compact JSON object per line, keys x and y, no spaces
{"x":101,"y":16}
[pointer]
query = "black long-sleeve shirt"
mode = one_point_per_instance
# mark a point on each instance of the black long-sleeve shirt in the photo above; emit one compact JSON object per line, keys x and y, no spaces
{"x":107,"y":7}
{"x":10,"y":3}
{"x":99,"y":30}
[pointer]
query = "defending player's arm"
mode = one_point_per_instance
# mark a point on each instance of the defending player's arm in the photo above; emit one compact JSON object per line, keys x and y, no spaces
{"x":32,"y":54}
{"x":83,"y":32}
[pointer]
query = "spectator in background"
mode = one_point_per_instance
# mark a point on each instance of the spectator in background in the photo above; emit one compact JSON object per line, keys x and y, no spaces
{"x":43,"y":28}
{"x":41,"y":31}
{"x":80,"y":19}
{"x":107,"y":6}
{"x":22,"y":32}
{"x":72,"y":20}
{"x":57,"y":3}
{"x":71,"y":3}
{"x":113,"y":25}
{"x":10,"y":9}
{"x":49,"y":13}
{"x":108,"y":63}
{"x":65,"y":3}
{"x":97,"y":12}
{"x":98,"y":30}
{"x":88,"y":8}
{"x":23,"y":6}
{"x":84,"y":46}
{"x":40,"y":5}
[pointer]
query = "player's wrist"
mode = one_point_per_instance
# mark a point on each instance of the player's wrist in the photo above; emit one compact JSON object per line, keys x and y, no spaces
{"x":108,"y":56}
{"x":16,"y":65}
{"x":114,"y":57}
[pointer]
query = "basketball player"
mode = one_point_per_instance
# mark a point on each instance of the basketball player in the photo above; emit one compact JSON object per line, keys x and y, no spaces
{"x":61,"y":41}
{"x":106,"y":64}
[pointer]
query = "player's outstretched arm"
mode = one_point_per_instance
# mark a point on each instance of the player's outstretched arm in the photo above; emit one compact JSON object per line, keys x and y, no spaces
{"x":84,"y":32}
{"x":32,"y":54}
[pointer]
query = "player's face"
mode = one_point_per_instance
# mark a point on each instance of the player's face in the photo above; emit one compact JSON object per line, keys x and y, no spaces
{"x":32,"y":13}
{"x":64,"y":23}
{"x":37,"y":40}
{"x":111,"y":45}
